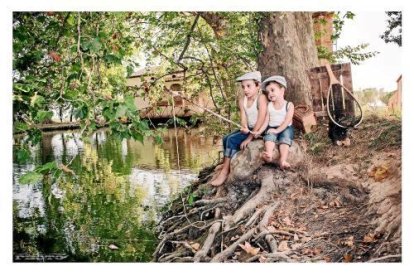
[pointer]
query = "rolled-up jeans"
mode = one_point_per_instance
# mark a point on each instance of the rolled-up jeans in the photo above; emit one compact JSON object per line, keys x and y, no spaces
{"x":232,"y":142}
{"x":284,"y":137}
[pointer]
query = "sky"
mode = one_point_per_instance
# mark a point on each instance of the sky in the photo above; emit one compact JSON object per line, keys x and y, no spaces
{"x":382,"y":70}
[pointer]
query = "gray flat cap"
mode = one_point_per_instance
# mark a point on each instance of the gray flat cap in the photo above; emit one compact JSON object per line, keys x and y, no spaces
{"x":255,"y":75}
{"x":279,"y":79}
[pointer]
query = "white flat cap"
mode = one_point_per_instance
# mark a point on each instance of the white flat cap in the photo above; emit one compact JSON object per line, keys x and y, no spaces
{"x":279,"y":79}
{"x":255,"y":75}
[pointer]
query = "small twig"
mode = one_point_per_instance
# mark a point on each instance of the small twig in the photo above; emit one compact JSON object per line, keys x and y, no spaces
{"x":229,"y":250}
{"x":254,"y":217}
{"x":384,"y":258}
{"x":210,"y":201}
{"x":187,"y":43}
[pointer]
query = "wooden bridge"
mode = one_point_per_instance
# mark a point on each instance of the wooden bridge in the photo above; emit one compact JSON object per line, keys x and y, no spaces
{"x":164,"y":109}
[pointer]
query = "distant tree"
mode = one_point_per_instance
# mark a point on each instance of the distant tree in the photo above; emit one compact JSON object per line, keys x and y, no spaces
{"x":393,"y":33}
{"x":386,"y":97}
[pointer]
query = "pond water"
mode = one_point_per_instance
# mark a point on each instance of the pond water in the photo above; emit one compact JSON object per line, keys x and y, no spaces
{"x":106,"y":209}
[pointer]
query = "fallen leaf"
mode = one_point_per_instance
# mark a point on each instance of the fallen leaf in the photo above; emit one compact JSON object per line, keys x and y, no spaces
{"x":349,"y":242}
{"x":348,"y":258}
{"x":113,"y":247}
{"x":66,"y":169}
{"x":195,"y":246}
{"x":287,"y":221}
{"x":379,"y":173}
{"x":368,"y":238}
{"x":234,"y":238}
{"x":249,"y":249}
{"x":317,"y":251}
{"x":55,"y":56}
{"x":283,"y":246}
{"x":307,"y":251}
{"x":262,"y":259}
{"x":271,"y":228}
{"x":296,"y":246}
{"x":306,"y":239}
{"x":327,"y":259}
{"x":295,"y":237}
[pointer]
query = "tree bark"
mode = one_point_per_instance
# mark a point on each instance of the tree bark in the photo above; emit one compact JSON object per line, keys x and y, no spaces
{"x":289,"y":50}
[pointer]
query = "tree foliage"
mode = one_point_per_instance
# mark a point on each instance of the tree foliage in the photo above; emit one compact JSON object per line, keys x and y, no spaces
{"x":393,"y":33}
{"x":355,"y":54}
{"x":77,"y":60}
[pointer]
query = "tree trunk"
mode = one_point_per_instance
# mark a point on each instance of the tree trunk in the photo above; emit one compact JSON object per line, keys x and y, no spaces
{"x":289,"y":50}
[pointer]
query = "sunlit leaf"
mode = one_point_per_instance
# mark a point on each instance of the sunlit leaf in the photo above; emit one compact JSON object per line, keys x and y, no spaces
{"x":43,"y":115}
{"x":380,"y":172}
{"x":348,"y":258}
{"x":47,"y":167}
{"x":249,"y":249}
{"x":66,"y":169}
{"x":30,"y":177}
{"x":283,"y":246}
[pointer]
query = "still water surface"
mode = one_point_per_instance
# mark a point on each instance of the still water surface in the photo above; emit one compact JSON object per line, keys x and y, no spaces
{"x":107,"y":208}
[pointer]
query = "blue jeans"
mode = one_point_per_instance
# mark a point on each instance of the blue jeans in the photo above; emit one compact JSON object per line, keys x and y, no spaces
{"x":285,"y":137}
{"x":232,"y":142}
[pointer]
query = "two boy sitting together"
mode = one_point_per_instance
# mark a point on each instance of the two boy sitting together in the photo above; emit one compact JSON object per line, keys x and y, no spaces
{"x":271,"y":115}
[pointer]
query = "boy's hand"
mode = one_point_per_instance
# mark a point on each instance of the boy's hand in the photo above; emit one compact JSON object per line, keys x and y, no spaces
{"x":255,"y":134}
{"x":244,"y":144}
{"x":272,"y":131}
{"x":244,"y":130}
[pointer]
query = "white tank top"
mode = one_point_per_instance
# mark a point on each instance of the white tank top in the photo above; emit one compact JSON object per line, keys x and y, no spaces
{"x":277,"y":116}
{"x":251,"y":112}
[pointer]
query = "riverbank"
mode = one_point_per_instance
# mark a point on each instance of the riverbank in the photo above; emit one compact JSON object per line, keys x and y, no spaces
{"x":341,"y":204}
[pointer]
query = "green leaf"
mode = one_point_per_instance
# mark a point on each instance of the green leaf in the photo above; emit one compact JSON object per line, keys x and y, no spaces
{"x":71,"y":94}
{"x":159,"y":140}
{"x":47,"y":167}
{"x":95,"y":45}
{"x":130,"y":70}
{"x":19,"y":126}
{"x":22,"y":155}
{"x":30,"y":177}
{"x":35,"y":135}
{"x":121,"y":110}
{"x":43,"y":115}
{"x":82,"y":111}
{"x":143,"y":125}
{"x":137,"y":136}
{"x":72,"y":76}
{"x":130,"y":103}
{"x":109,"y":113}
{"x":37,"y":100}
{"x":21,"y":87}
{"x":110,"y":58}
{"x":190,"y":199}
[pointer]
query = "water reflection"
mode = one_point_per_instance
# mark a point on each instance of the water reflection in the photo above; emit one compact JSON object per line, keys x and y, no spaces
{"x":106,"y":210}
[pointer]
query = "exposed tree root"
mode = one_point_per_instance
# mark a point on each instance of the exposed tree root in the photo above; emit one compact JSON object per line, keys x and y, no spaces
{"x":280,"y":216}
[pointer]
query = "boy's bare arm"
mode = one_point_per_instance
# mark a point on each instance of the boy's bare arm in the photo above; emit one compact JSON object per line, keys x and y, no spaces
{"x":243,"y":118}
{"x":264,"y":125}
{"x":262,"y":113}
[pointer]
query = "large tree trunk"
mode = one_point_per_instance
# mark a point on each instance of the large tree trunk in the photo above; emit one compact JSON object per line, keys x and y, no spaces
{"x":289,"y":50}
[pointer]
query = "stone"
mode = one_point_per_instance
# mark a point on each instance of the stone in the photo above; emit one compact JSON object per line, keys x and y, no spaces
{"x":245,"y":162}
